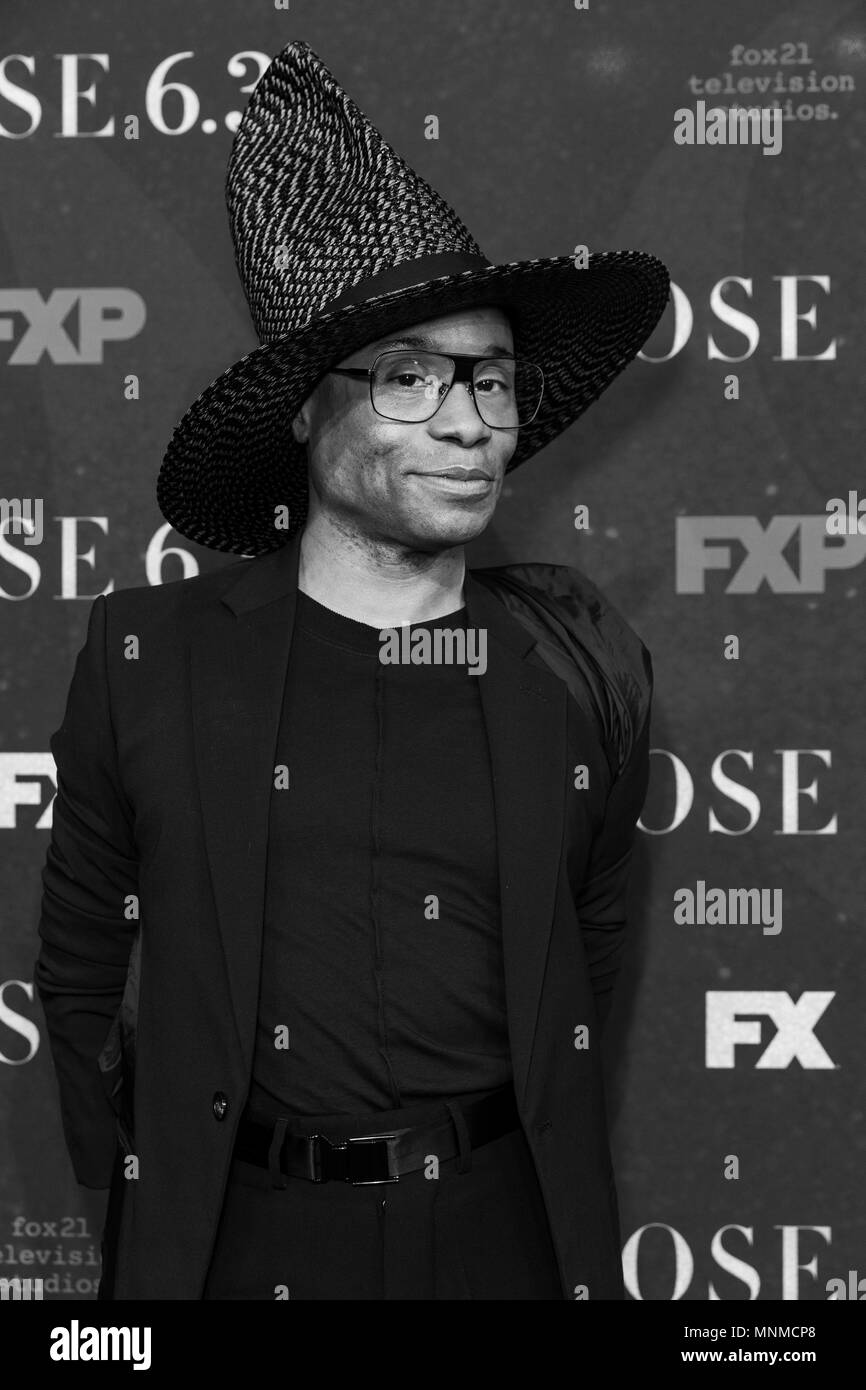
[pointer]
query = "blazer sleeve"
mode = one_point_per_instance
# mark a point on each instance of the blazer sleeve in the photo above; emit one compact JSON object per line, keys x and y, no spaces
{"x":86,"y":939}
{"x":601,"y":900}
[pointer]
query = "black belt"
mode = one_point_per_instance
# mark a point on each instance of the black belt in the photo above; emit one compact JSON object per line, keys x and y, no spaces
{"x":381,"y":1156}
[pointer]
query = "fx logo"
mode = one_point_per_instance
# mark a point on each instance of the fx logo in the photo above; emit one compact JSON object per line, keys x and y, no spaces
{"x":699,"y":548}
{"x":21,"y":777}
{"x":103,"y":315}
{"x":728,"y":1026}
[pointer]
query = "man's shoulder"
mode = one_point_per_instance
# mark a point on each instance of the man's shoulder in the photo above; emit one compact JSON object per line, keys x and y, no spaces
{"x":178,"y":596}
{"x":583,"y":608}
{"x":584,"y":638}
{"x":559,"y":581}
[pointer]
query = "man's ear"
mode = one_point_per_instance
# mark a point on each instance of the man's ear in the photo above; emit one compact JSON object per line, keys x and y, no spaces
{"x":303,"y":417}
{"x":301,"y":425}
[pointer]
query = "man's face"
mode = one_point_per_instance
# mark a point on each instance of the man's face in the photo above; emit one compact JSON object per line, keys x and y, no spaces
{"x":375,"y":477}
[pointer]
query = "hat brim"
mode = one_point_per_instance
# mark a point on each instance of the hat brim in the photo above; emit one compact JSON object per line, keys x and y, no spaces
{"x":233,"y":466}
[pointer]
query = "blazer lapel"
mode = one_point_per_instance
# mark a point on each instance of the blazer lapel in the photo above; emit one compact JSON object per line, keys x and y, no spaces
{"x":525,"y":712}
{"x":238,"y":664}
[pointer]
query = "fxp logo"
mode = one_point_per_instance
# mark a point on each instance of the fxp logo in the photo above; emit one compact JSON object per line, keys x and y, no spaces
{"x":751,"y":555}
{"x":734,"y":1019}
{"x":104,"y":315}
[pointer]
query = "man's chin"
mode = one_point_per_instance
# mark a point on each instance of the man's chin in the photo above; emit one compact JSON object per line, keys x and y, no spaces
{"x":444,"y":530}
{"x":451,"y":521}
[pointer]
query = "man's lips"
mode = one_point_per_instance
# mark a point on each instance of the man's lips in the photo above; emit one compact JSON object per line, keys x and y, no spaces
{"x":462,"y":474}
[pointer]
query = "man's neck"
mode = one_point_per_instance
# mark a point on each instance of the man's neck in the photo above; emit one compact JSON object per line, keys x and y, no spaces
{"x":376,"y":585}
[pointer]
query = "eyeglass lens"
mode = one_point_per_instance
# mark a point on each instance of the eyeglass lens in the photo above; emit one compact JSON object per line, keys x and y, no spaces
{"x":409,"y":386}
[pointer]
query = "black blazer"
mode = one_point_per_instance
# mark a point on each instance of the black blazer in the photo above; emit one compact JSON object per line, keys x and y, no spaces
{"x":154,"y":882}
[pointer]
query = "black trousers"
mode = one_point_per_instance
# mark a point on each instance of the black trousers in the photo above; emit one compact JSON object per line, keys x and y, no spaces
{"x":477,"y":1231}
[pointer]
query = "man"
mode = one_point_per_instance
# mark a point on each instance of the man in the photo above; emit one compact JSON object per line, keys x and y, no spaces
{"x":335,"y":896}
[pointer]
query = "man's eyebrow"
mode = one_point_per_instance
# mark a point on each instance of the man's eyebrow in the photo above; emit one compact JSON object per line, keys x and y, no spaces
{"x":420,"y":340}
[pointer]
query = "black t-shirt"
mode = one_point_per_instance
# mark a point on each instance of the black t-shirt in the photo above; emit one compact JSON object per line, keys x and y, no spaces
{"x":382,"y":962}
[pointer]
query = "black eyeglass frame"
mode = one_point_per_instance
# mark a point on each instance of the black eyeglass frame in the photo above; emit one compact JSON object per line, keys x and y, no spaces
{"x":464,"y":370}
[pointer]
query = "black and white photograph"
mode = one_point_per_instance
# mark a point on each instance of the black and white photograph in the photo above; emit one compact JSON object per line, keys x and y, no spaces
{"x":432,"y":739}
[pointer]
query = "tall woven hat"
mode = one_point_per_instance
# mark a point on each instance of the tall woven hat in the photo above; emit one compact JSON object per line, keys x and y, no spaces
{"x":337,"y":242}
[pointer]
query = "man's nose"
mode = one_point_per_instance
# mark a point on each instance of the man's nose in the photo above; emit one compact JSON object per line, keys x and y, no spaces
{"x":458,"y":410}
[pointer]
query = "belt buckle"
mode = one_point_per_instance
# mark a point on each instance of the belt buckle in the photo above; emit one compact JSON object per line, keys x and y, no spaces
{"x":350,"y":1146}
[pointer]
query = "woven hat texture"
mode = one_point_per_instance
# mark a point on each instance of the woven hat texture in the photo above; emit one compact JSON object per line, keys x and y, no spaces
{"x":337,"y":242}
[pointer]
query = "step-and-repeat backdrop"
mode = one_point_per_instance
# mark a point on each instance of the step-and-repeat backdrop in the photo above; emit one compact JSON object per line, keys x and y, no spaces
{"x":716,"y":493}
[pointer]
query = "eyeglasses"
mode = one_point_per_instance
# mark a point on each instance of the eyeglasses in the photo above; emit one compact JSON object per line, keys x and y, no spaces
{"x":411,"y":386}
